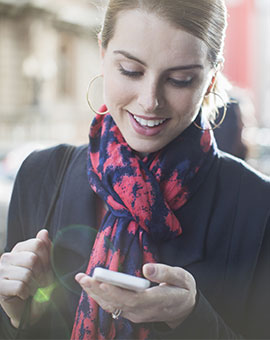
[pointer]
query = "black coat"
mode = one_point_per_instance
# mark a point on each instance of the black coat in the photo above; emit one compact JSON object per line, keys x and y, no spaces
{"x":224,"y":244}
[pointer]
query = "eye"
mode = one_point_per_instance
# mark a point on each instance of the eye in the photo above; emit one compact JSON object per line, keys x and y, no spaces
{"x":180,"y":83}
{"x":131,"y":74}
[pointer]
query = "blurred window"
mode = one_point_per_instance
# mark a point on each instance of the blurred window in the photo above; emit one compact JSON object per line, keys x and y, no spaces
{"x":65,"y":63}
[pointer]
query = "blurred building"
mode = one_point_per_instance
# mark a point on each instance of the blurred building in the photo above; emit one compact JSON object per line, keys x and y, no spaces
{"x":262,"y":46}
{"x":48,"y":54}
{"x":247,"y":52}
{"x":247,"y":55}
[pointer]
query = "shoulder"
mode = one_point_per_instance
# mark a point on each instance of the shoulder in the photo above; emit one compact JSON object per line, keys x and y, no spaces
{"x":41,"y":158}
{"x":251,"y":190}
{"x":35,"y":186}
{"x":41,"y":171}
{"x":249,"y":179}
{"x":250,"y":228}
{"x":47,"y":162}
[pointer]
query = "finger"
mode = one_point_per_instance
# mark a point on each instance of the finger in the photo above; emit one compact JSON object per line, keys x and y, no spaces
{"x":162,"y":273}
{"x":136,"y":306}
{"x":13,"y":288}
{"x":43,"y":235}
{"x":79,"y":277}
{"x":35,"y":246}
{"x":16,"y":273}
{"x":23,"y":259}
{"x":107,"y":293}
{"x":106,"y":290}
{"x":39,"y":259}
{"x":24,"y":266}
{"x":20,"y":274}
{"x":48,"y":276}
{"x":88,"y":284}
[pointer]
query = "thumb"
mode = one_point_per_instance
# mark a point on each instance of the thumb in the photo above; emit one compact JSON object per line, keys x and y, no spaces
{"x":162,"y":273}
{"x":47,"y":276}
{"x":43,"y":235}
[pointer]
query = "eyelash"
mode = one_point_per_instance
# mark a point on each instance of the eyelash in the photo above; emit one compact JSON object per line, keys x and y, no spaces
{"x":173,"y":82}
{"x":180,"y":83}
{"x":131,"y":74}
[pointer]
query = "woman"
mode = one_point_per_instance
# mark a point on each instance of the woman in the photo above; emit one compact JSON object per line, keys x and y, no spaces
{"x":189,"y":218}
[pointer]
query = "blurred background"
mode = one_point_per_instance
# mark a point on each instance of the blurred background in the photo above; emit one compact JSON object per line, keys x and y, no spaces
{"x":49,"y":52}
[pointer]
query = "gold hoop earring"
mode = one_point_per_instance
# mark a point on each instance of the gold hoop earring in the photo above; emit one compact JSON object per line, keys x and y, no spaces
{"x":87,"y":96}
{"x":223,"y":116}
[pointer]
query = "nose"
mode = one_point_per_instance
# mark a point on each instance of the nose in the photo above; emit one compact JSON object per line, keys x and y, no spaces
{"x":148,"y":97}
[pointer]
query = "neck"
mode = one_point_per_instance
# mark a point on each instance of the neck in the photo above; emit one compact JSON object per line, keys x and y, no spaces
{"x":143,"y":154}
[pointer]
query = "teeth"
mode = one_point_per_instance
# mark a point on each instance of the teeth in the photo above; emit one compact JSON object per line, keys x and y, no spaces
{"x":149,"y":123}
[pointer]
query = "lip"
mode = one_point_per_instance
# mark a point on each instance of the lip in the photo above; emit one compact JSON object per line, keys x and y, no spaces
{"x":145,"y":130}
{"x":147,"y":117}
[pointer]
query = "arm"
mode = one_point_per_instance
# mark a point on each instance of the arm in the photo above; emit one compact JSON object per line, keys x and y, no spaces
{"x":22,"y":272}
{"x":204,"y":322}
{"x":257,"y":318}
{"x":170,"y":307}
{"x":25,"y":254}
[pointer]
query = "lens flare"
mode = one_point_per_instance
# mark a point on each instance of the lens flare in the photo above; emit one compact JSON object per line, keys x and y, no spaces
{"x":70,"y":253}
{"x":44,"y":294}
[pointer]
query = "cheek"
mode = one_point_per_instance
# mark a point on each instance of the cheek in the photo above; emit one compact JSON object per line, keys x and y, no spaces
{"x":116,"y":91}
{"x":185,"y":102}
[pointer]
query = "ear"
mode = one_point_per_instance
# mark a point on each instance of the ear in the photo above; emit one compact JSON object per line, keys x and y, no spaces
{"x":102,"y":51}
{"x":212,"y":84}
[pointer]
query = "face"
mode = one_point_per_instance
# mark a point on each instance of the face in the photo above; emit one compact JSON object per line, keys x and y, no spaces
{"x":155,"y":78}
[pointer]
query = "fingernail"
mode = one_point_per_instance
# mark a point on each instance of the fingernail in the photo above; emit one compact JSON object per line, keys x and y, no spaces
{"x":79,"y":277}
{"x":150,"y":270}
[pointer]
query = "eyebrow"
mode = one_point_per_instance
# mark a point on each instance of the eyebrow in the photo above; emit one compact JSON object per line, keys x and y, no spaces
{"x":176,"y":68}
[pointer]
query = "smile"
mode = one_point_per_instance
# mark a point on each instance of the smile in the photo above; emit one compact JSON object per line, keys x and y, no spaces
{"x":145,"y":126}
{"x":149,"y":123}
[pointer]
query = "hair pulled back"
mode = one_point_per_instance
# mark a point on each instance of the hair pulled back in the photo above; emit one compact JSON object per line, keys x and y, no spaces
{"x":205,"y":19}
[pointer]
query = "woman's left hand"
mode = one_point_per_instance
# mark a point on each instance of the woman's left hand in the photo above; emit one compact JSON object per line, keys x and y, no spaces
{"x":171,"y":301}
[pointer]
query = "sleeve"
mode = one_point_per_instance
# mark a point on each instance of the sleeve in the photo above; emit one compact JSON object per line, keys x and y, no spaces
{"x":26,"y":211}
{"x":257,"y":319}
{"x":205,"y":323}
{"x":7,"y":331}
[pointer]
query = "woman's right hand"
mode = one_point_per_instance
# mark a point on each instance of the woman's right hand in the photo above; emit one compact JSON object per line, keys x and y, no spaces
{"x":22,"y":271}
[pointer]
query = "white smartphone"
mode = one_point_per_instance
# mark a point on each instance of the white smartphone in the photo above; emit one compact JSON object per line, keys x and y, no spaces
{"x":120,"y":279}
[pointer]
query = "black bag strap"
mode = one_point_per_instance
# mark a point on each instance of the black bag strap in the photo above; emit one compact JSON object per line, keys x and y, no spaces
{"x":59,"y":180}
{"x":69,"y":149}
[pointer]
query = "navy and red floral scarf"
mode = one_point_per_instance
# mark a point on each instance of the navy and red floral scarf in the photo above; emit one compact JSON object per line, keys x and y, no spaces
{"x":142,"y":196}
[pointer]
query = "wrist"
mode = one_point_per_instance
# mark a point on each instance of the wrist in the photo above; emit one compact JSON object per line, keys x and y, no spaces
{"x":177,"y":322}
{"x":40,"y":303}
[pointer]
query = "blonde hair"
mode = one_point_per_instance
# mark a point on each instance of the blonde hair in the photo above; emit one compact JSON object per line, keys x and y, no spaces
{"x":205,"y":19}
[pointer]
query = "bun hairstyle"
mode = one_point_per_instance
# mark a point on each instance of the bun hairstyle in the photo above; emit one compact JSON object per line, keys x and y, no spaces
{"x":205,"y":19}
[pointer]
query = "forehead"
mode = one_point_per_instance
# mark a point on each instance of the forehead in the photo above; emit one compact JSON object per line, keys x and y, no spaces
{"x":150,"y":36}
